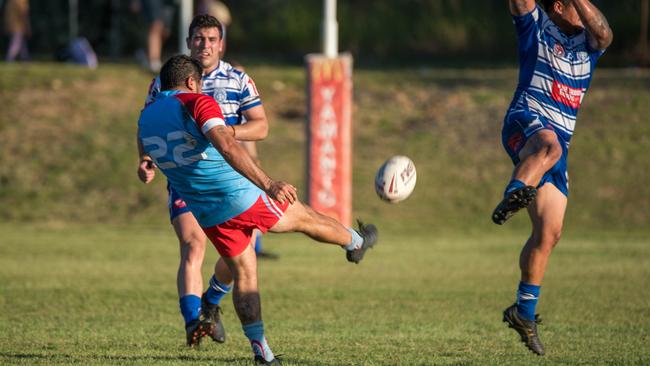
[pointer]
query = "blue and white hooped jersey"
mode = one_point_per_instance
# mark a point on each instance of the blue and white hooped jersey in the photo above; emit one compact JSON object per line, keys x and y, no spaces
{"x":555,"y":72}
{"x":172,"y":132}
{"x":234,"y":90}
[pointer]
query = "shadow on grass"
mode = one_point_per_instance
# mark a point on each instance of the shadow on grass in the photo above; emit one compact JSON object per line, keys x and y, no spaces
{"x":137,"y":359}
{"x":63,"y":357}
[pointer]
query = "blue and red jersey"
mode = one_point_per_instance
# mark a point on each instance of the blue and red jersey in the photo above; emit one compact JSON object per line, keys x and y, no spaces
{"x":172,"y":130}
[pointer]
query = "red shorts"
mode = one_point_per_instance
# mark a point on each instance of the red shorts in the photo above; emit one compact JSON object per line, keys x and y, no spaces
{"x":231,"y":237}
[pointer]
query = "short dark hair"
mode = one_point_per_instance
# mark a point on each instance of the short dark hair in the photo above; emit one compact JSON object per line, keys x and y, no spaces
{"x":548,"y":4}
{"x":177,"y":69}
{"x":205,"y":21}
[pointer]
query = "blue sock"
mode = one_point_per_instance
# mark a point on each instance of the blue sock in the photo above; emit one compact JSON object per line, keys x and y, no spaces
{"x":216,"y":291}
{"x":514,"y":184}
{"x":527,"y":296}
{"x":190,"y":307}
{"x":258,"y":242}
{"x":255,"y":334}
{"x":357,"y":240}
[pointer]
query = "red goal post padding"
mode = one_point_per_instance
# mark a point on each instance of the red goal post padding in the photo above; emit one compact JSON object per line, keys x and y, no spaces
{"x":329,"y":135}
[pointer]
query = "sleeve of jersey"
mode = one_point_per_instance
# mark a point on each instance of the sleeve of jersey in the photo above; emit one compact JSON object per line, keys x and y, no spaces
{"x":205,"y":111}
{"x":249,"y":94}
{"x":594,"y":54}
{"x":154,"y":89}
{"x":527,"y":27}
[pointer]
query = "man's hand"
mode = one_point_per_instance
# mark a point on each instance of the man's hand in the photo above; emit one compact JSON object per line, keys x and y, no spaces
{"x":281,"y":191}
{"x":521,"y":7}
{"x":146,"y":171}
{"x":599,"y":33}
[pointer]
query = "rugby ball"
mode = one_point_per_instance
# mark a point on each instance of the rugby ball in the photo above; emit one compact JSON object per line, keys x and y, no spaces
{"x":395,"y":179}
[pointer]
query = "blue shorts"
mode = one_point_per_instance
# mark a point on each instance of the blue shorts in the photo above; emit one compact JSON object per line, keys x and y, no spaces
{"x":518,"y":127}
{"x":176,"y":204}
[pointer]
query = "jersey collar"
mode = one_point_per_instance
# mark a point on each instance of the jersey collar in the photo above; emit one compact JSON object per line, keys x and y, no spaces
{"x":169,"y":93}
{"x":220,"y":69}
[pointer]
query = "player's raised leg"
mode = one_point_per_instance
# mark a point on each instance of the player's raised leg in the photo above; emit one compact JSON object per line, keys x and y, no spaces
{"x":547,"y":215}
{"x":302,"y":218}
{"x":538,"y":155}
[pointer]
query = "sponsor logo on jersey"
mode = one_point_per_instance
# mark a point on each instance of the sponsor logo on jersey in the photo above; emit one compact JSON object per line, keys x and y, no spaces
{"x":582,"y":55}
{"x":558,"y":50}
{"x":179,"y":203}
{"x":566,"y":95}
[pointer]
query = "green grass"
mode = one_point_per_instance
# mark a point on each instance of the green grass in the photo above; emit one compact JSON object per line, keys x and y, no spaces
{"x":106,"y":295}
{"x":88,"y":261}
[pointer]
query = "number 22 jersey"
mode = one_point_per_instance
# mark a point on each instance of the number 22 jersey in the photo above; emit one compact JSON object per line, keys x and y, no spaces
{"x":172,"y":129}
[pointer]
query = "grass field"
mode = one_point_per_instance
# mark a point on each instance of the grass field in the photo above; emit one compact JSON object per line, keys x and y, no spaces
{"x":88,"y":260}
{"x":106,"y":296}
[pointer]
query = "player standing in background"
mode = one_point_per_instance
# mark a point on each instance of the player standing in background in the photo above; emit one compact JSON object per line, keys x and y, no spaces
{"x":238,"y":98}
{"x":157,"y":15}
{"x":558,"y":50}
{"x":186,"y":135}
{"x":220,"y":11}
{"x":18,"y":27}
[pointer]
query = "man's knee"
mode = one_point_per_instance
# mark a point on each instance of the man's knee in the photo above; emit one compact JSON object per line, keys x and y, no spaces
{"x":553,"y":151}
{"x":189,"y":233}
{"x":297,"y":218}
{"x":243,"y":268}
{"x":192,"y":247}
{"x":192,"y":241}
{"x":549,"y":239}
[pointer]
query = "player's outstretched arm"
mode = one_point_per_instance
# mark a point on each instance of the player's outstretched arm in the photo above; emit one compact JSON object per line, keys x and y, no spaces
{"x":521,"y":7}
{"x":600,"y":34}
{"x":223,"y":140}
{"x":256,"y":126}
{"x":146,"y":167}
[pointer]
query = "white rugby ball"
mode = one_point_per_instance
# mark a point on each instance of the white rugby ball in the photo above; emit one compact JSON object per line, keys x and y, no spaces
{"x":395,"y":179}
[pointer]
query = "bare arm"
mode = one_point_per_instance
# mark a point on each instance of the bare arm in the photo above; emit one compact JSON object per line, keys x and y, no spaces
{"x":141,"y":152}
{"x":256,"y":126}
{"x":600,"y":34}
{"x":222,"y":139}
{"x":521,"y":7}
{"x":146,"y":167}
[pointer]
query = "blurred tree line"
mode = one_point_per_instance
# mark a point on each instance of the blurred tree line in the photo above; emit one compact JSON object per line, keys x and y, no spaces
{"x":375,"y":31}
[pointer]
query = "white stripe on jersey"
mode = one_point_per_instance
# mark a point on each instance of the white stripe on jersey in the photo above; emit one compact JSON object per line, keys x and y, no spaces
{"x":211,"y":123}
{"x":575,"y":70}
{"x":231,"y":89}
{"x":565,"y":122}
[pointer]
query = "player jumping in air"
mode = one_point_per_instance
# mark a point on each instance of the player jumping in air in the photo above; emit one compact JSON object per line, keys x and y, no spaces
{"x":558,"y":49}
{"x":185,"y":134}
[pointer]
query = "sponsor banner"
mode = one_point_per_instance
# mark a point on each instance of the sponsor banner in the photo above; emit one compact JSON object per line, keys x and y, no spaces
{"x":329,"y":135}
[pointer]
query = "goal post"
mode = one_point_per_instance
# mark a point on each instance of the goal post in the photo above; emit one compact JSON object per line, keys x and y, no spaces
{"x":329,"y":124}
